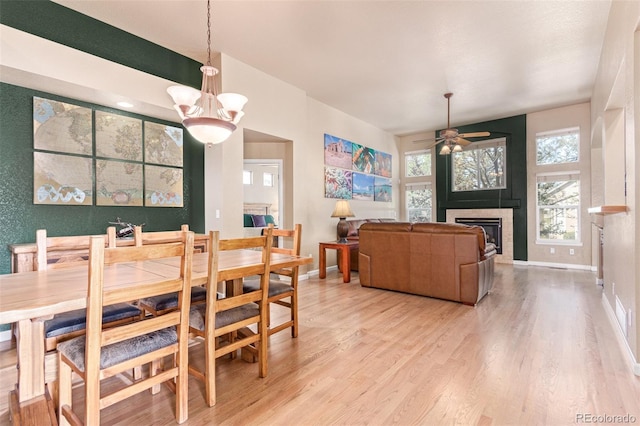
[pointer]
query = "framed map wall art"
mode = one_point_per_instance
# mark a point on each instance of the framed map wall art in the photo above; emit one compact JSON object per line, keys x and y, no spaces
{"x":162,"y":186}
{"x":62,"y":179}
{"x":88,"y":156}
{"x":62,"y":127}
{"x":118,"y":183}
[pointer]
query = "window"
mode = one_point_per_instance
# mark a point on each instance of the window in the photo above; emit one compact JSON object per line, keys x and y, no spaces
{"x":247,"y":177}
{"x":267,"y":179}
{"x":417,"y":163}
{"x":557,"y":147}
{"x":480,"y":166}
{"x":558,"y":205}
{"x":419,"y":202}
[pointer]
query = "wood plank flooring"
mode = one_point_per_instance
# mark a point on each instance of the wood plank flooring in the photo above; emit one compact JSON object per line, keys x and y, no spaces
{"x":538,"y":350}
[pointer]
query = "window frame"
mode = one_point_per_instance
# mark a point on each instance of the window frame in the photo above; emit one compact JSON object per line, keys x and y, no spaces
{"x":412,"y":186}
{"x":248,"y":173}
{"x":480,"y":145}
{"x":569,"y":175}
{"x":428,"y":152}
{"x":566,"y":131}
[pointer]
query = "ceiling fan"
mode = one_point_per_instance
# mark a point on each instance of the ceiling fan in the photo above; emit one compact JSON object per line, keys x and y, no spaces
{"x":453,"y":141}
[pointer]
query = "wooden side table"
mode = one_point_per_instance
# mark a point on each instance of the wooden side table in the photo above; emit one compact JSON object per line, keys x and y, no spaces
{"x":344,"y":257}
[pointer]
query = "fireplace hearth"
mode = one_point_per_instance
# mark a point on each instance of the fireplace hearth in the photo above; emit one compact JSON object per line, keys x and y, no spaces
{"x":492,"y":227}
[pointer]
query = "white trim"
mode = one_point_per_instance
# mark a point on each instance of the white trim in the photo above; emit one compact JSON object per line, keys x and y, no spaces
{"x":635,"y":366}
{"x":554,"y":265}
{"x":316,"y":272}
{"x":563,"y":243}
{"x":5,"y":335}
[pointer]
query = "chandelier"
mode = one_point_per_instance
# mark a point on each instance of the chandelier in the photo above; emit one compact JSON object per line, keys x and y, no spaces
{"x":208,"y":116}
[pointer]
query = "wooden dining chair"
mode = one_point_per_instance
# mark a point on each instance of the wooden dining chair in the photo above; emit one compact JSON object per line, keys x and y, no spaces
{"x":232,"y":314}
{"x":103,"y":353}
{"x":66,"y":251}
{"x":161,"y":304}
{"x":283,"y":293}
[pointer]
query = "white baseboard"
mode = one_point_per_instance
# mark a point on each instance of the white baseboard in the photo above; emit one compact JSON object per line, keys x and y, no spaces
{"x":316,"y":272}
{"x":635,"y":366}
{"x":554,"y":265}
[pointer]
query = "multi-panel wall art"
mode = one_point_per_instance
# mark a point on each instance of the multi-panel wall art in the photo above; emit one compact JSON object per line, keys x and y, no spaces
{"x":354,"y":171}
{"x":86,"y":157}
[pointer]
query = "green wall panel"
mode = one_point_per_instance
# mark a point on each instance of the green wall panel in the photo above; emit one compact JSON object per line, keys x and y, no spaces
{"x":54,"y":22}
{"x":514,"y":196}
{"x":20,"y":218}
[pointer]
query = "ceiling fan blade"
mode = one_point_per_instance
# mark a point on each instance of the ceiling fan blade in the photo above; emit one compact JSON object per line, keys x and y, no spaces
{"x":474,"y":134}
{"x":463,"y":142}
{"x":424,"y":140}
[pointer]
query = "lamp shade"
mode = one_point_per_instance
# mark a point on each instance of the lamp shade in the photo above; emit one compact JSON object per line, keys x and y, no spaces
{"x":342,"y":209}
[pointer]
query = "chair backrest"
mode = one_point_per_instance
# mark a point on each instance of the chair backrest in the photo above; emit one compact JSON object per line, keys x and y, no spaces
{"x":293,"y":241}
{"x":100,"y":294}
{"x":57,"y":252}
{"x":263,"y":243}
{"x":201,"y":241}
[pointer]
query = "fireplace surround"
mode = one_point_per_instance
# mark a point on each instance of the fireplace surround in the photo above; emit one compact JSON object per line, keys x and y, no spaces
{"x":492,"y":228}
{"x":507,"y":216}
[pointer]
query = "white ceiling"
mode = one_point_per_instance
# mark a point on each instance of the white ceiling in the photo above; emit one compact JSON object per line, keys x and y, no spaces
{"x":389,"y":62}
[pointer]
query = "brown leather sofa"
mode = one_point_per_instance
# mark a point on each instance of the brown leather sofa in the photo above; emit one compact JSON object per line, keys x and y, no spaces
{"x":442,"y":260}
{"x":354,"y":226}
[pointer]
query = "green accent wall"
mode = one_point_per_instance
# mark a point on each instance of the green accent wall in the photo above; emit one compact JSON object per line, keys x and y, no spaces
{"x":19,"y":217}
{"x":514,"y":196}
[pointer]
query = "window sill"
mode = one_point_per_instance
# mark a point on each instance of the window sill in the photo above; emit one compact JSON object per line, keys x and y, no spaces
{"x":559,"y":243}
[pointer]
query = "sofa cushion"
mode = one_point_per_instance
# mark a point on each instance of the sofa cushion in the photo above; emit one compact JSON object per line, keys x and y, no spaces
{"x":248,"y":221}
{"x":388,"y":226}
{"x":445,"y":227}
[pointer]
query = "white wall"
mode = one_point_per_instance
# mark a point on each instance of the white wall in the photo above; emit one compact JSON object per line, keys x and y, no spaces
{"x":549,"y":120}
{"x":279,"y":109}
{"x":617,"y":87}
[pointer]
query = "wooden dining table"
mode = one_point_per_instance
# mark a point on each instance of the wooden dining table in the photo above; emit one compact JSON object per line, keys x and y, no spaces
{"x":30,"y":298}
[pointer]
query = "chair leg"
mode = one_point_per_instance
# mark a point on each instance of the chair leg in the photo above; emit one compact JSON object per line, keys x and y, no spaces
{"x":294,"y":314}
{"x":262,"y":348}
{"x":210,"y":371}
{"x":154,"y":368}
{"x":64,"y":392}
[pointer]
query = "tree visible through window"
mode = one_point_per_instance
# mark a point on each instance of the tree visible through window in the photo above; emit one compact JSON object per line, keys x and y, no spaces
{"x":417,"y":163}
{"x":558,"y":147}
{"x":558,"y":199}
{"x":480,"y":166}
{"x":419,"y":202}
{"x":418,"y":193}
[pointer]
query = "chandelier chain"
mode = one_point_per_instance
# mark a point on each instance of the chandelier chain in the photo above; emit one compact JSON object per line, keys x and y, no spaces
{"x":209,"y":33}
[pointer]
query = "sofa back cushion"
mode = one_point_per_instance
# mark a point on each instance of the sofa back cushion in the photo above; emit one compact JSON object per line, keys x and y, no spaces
{"x":389,"y":244}
{"x":447,"y":228}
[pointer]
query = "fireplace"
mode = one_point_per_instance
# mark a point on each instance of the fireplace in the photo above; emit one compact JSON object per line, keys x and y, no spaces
{"x":492,"y":227}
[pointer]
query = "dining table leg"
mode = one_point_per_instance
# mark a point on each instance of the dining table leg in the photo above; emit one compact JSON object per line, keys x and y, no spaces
{"x":30,"y":352}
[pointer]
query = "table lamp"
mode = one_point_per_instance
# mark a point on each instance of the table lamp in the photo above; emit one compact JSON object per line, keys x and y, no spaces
{"x":342,"y":211}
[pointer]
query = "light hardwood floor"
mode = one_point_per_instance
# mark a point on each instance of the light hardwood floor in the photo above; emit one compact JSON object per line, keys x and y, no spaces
{"x":538,"y":350}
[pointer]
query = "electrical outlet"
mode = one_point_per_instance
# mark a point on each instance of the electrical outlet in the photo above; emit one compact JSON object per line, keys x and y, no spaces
{"x":217,"y":214}
{"x":552,"y":250}
{"x":572,"y":252}
{"x":613,"y":288}
{"x":629,"y":318}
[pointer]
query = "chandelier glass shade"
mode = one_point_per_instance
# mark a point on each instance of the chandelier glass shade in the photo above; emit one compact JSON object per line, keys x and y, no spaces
{"x":208,"y":116}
